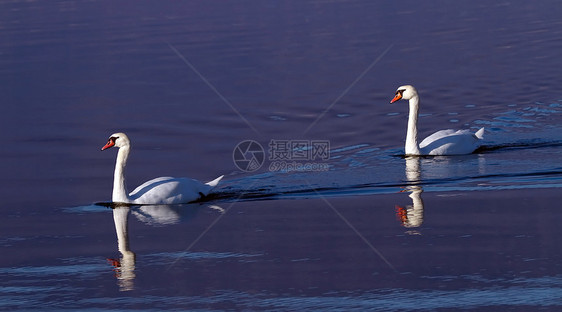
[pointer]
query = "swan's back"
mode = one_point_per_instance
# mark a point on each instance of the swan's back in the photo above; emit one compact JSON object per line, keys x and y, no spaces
{"x":451,"y":142}
{"x":168,"y":190}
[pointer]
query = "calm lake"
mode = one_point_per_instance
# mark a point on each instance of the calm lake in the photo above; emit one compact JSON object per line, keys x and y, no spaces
{"x":318,"y":209}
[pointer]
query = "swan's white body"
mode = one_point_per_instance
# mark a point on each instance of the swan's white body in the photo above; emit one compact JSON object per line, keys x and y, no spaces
{"x":444,"y":142}
{"x":163,"y":190}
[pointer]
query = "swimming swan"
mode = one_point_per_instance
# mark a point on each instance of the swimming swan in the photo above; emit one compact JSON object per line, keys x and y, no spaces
{"x":443,"y":142}
{"x":163,"y":190}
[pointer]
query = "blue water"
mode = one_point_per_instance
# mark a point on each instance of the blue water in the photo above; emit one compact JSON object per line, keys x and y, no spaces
{"x":359,"y":228}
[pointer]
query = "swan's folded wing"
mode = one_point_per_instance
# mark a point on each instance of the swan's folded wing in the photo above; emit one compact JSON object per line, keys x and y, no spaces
{"x":450,"y":142}
{"x":438,"y":135}
{"x":167,"y":190}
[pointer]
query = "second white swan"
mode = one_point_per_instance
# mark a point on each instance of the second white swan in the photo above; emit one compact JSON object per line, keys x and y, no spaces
{"x":163,"y":190}
{"x":443,"y":142}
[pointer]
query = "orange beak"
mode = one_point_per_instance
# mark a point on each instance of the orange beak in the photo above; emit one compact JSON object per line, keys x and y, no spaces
{"x":397,"y":97}
{"x":109,"y":144}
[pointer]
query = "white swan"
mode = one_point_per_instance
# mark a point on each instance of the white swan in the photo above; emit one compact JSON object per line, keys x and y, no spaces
{"x":163,"y":190}
{"x":444,"y":142}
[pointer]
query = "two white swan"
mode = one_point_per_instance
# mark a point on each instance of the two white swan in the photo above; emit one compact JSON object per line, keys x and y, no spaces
{"x":444,"y":142}
{"x":168,"y":190}
{"x":163,"y":190}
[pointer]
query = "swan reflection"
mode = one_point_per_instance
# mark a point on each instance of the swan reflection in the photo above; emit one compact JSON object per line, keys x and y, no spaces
{"x":155,"y":215}
{"x":411,"y":216}
{"x":123,"y":267}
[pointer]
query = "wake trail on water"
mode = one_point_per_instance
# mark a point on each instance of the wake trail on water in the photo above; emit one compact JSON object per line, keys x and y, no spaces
{"x":522,"y":149}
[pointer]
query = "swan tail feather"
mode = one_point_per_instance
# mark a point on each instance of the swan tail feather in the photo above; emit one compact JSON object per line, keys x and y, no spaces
{"x":215,"y":182}
{"x":480,"y":133}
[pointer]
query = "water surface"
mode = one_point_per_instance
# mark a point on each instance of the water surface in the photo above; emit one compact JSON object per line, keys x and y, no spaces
{"x":189,"y":81}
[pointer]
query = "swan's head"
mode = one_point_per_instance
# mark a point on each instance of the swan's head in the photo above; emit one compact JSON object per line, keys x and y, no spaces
{"x":404,"y":92}
{"x":117,"y":139}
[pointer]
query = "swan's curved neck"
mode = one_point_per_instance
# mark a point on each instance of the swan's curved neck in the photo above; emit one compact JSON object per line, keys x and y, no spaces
{"x":119,"y":187}
{"x":412,"y":147}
